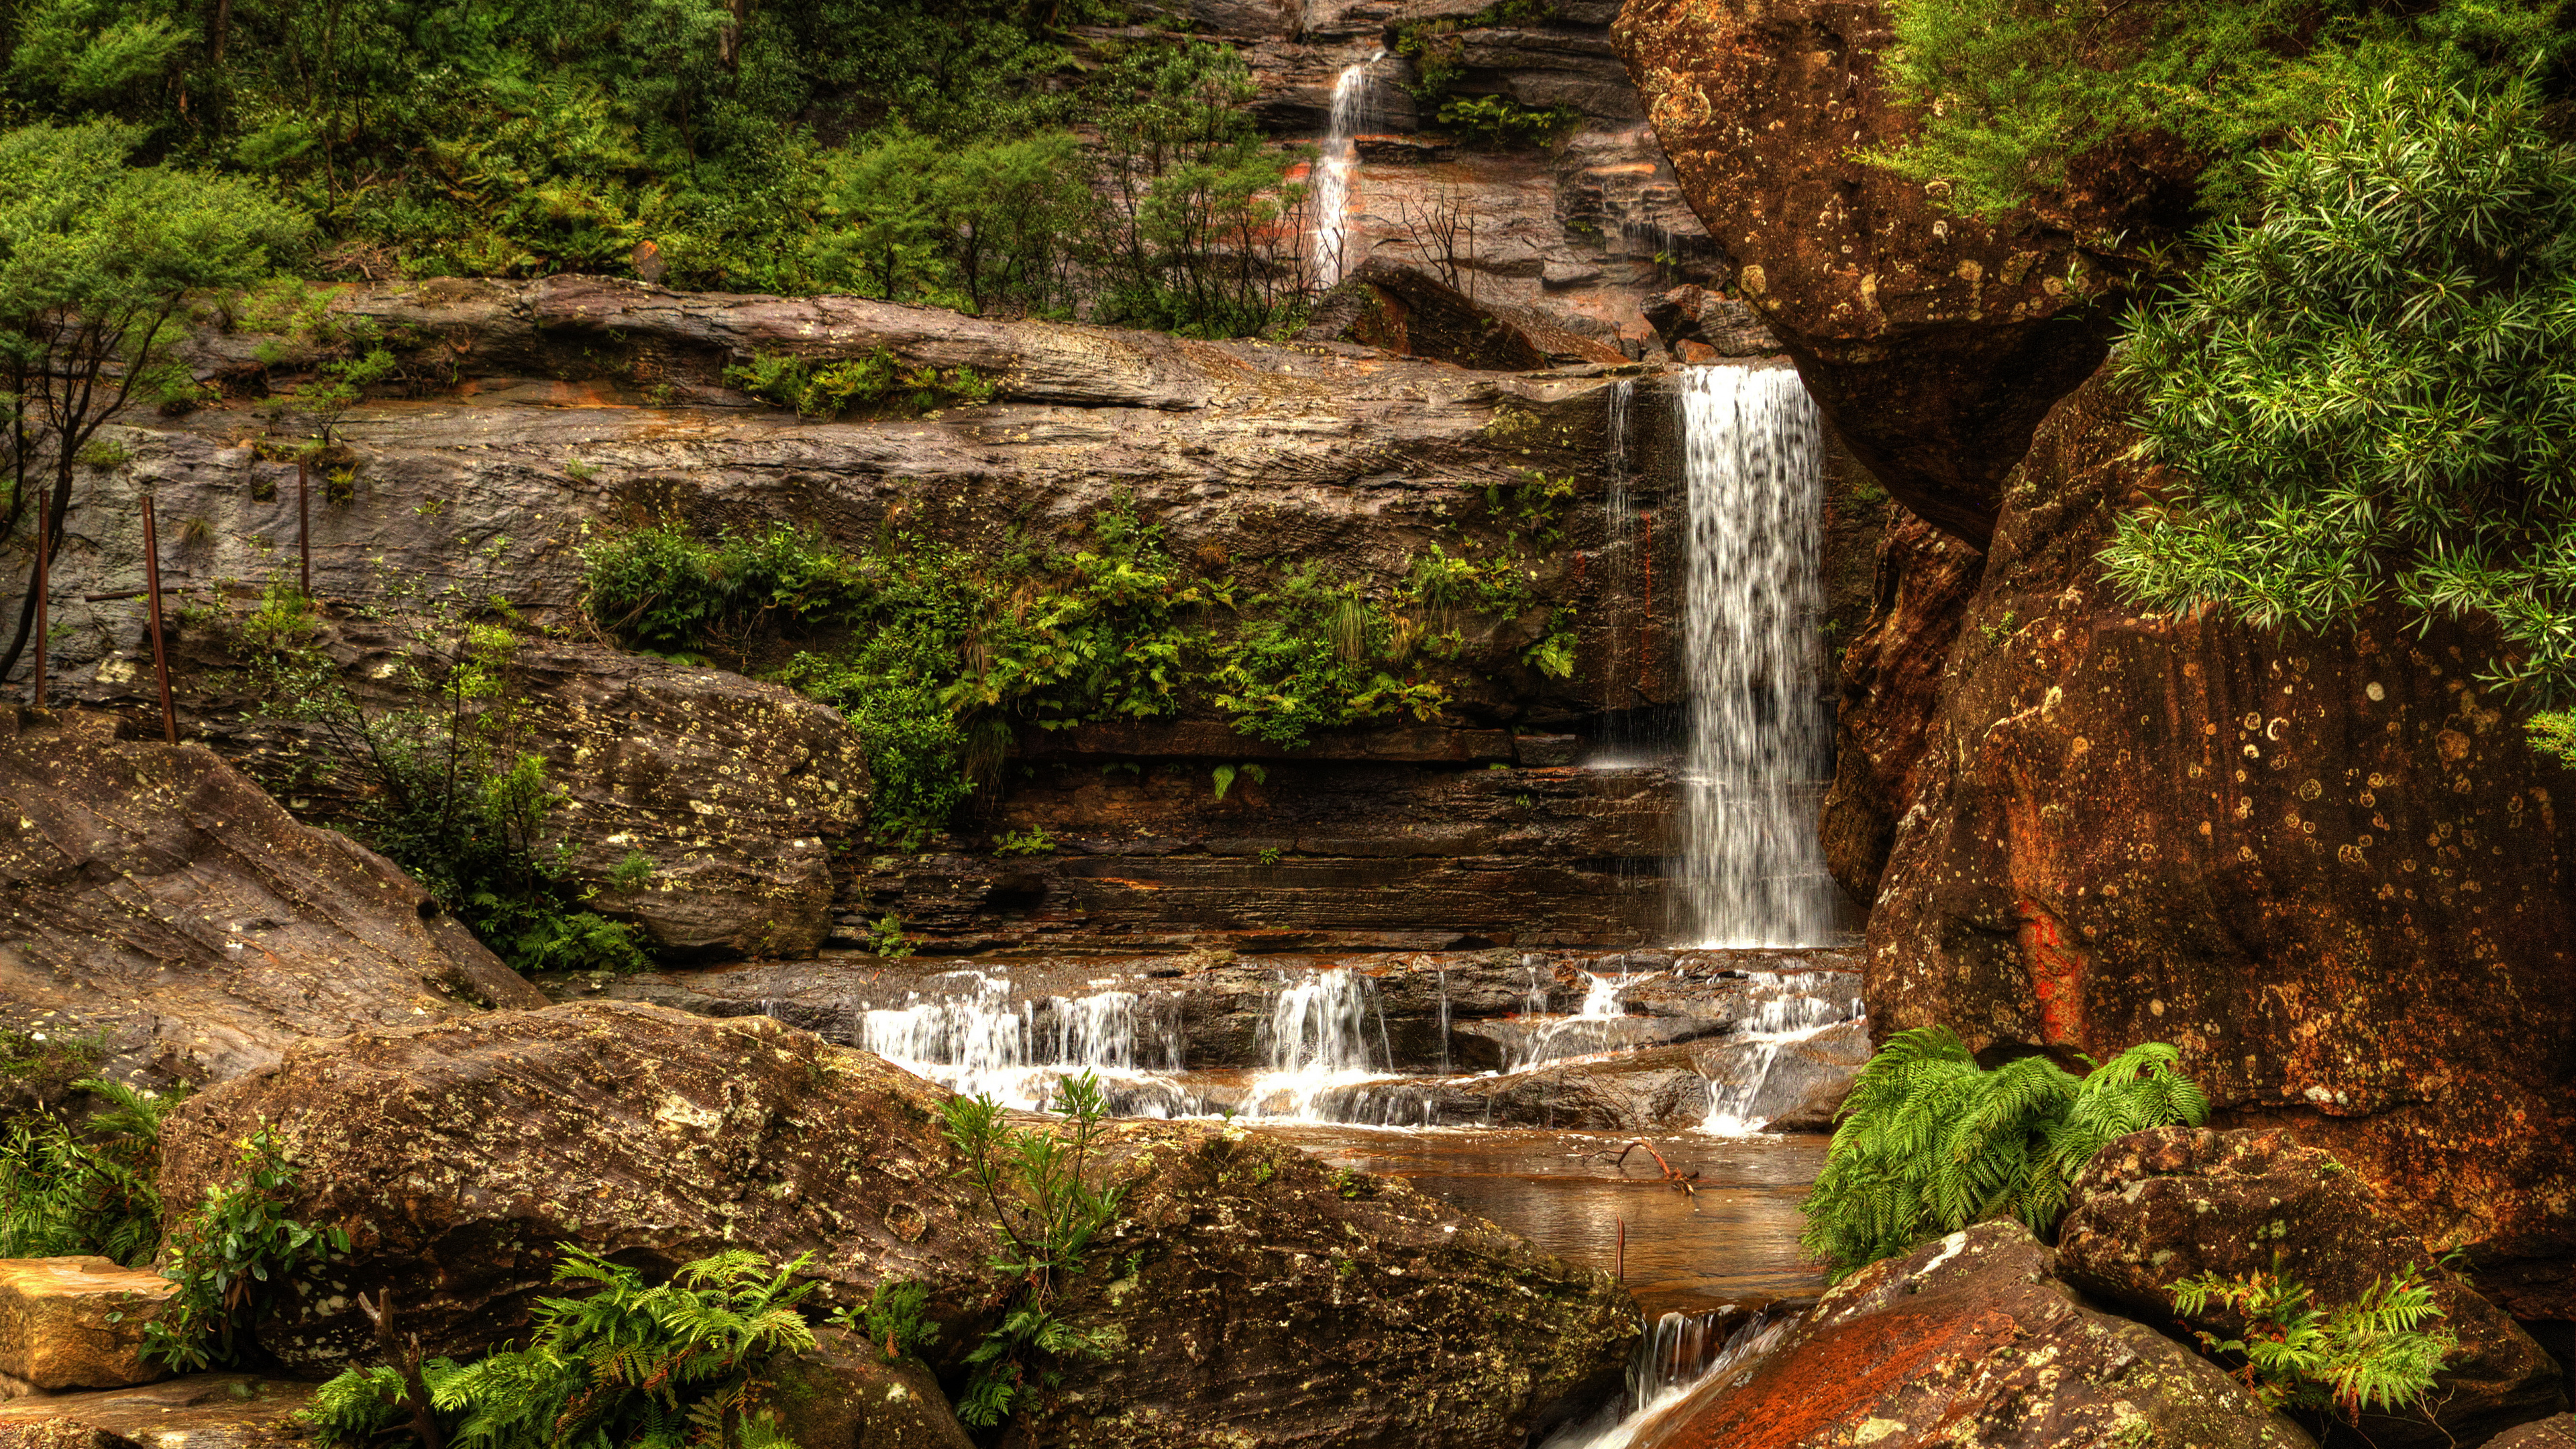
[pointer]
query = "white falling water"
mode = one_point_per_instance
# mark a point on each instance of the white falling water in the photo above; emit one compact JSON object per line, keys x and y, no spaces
{"x":1799,"y":1012}
{"x":1680,"y":1354}
{"x":1753,"y":866}
{"x":983,"y":1044}
{"x":1338,"y":162}
{"x":1325,"y":1031}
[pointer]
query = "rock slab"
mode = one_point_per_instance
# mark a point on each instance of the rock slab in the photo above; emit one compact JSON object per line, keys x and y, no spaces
{"x":77,"y":1323}
{"x":200,"y":1411}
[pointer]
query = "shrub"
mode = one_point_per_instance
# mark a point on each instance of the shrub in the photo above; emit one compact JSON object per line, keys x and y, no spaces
{"x":657,"y":1366}
{"x":2374,"y":1354}
{"x":1930,"y":1143}
{"x":230,"y":1259}
{"x":66,"y":1190}
{"x":829,"y":389}
{"x":2365,"y":390}
{"x":1500,"y":123}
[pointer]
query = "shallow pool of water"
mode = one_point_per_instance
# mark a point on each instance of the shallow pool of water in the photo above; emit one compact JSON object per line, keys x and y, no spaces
{"x":1733,"y":1236}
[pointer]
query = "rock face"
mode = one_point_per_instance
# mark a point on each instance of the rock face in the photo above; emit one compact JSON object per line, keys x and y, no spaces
{"x":732,"y":790}
{"x":2157,"y":1207}
{"x":1971,"y":1339}
{"x":157,"y":895}
{"x":2328,"y":867}
{"x":2553,"y":1433}
{"x":464,"y":1156}
{"x":1933,"y":342}
{"x":1403,"y":311}
{"x":77,"y":1323}
{"x":200,"y":1411}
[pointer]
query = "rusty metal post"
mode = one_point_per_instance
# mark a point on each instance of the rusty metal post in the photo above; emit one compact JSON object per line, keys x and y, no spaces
{"x":44,"y":579}
{"x":304,"y":521}
{"x":1622,"y":1259}
{"x":152,"y":601}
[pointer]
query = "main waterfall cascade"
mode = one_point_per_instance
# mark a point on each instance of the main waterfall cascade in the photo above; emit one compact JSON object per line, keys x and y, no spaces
{"x":1335,"y":165}
{"x":1753,"y":870}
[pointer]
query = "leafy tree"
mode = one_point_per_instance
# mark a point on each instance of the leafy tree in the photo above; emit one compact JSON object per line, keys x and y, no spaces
{"x":96,"y":259}
{"x":2366,"y":389}
{"x":1930,"y":1142}
{"x":2011,"y":94}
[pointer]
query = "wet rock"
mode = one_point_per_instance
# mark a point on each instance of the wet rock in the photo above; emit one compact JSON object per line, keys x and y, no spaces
{"x":1723,"y":325}
{"x":2558,"y":1432}
{"x":1890,"y":677}
{"x":2328,"y":867}
{"x":1257,"y":1297}
{"x":844,"y":1395}
{"x":1513,"y":1044}
{"x":1972,"y":1339}
{"x":1787,"y":1086}
{"x":1933,"y":342}
{"x":1654,"y":1089}
{"x":2157,"y":1207}
{"x":1406,"y":312}
{"x":77,"y":1323}
{"x":157,"y":895}
{"x":200,"y":1411}
{"x":465,"y":1156}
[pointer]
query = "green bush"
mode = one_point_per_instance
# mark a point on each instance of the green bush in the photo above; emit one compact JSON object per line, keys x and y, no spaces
{"x":829,"y":389}
{"x":85,"y":1189}
{"x":662,"y":589}
{"x":1499,"y":123}
{"x":2365,"y":390}
{"x":2375,"y":1354}
{"x":231,"y":1258}
{"x":2555,"y":735}
{"x":673,"y":1365}
{"x":1930,"y":1143}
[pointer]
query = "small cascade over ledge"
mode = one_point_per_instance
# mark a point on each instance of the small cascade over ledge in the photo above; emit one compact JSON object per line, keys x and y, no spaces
{"x":1334,"y":169}
{"x":1753,"y":870}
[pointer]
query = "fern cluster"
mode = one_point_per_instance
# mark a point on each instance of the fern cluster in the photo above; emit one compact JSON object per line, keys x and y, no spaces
{"x":69,"y":1191}
{"x":2374,"y":1354}
{"x":1930,"y":1142}
{"x":627,"y":1366}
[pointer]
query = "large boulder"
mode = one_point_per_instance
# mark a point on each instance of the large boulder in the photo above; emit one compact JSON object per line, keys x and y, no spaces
{"x":1972,"y":1340}
{"x":1933,"y":342}
{"x":2328,"y":867}
{"x":2558,"y":1432}
{"x":844,"y":1394}
{"x":2172,"y":1203}
{"x":155,"y":894}
{"x":1249,"y":1292}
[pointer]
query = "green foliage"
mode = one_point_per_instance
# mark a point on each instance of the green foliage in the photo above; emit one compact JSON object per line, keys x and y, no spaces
{"x":2555,"y":735}
{"x":886,"y":938}
{"x":1032,"y":841}
{"x":833,"y":388}
{"x":2014,"y":94}
{"x":1930,"y":1143}
{"x":628,"y":1365}
{"x":1225,"y":776}
{"x":1038,"y":1186}
{"x":632,"y":871}
{"x":2375,"y":1354}
{"x":85,"y":1189}
{"x":443,"y":782}
{"x":231,"y":1258}
{"x":1437,"y":47}
{"x":2366,"y":390}
{"x":662,"y":589}
{"x":1499,"y":123}
{"x":896,"y":1315}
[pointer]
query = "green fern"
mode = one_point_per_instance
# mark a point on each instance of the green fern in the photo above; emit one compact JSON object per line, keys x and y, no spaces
{"x":2375,"y":1354}
{"x":629,"y":1365}
{"x":66,"y":1192}
{"x":1930,"y":1142}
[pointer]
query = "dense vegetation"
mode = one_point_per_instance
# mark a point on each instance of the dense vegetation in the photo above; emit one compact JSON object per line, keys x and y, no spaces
{"x":1930,"y":1142}
{"x":74,"y":1182}
{"x":938,"y":653}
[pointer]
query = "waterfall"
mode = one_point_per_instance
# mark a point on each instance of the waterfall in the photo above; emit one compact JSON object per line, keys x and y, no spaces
{"x":1736,"y":1106}
{"x":1334,"y":168}
{"x":1753,"y":867}
{"x":1681,"y":1353}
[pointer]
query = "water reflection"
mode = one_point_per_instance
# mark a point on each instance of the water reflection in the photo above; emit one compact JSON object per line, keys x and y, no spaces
{"x":1734,"y":1237}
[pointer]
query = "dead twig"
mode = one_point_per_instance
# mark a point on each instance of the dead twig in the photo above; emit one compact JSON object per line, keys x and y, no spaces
{"x":404,"y":1351}
{"x":1677,"y":1178}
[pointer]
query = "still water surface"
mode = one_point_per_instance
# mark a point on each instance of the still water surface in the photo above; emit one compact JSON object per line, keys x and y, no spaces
{"x":1733,"y":1237}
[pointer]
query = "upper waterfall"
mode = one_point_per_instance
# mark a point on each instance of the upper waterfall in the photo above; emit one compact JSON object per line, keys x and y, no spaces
{"x":1760,"y":735}
{"x":1335,"y":167}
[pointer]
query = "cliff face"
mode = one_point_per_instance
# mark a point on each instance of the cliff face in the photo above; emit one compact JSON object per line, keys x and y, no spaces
{"x":2327,"y":866}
